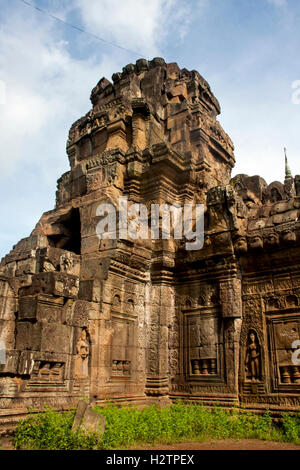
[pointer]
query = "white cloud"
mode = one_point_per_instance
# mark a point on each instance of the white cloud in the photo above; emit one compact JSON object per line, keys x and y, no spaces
{"x":139,"y":25}
{"x":46,"y":90}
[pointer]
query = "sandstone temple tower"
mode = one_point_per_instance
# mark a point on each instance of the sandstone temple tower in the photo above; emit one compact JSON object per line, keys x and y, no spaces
{"x":146,"y":320}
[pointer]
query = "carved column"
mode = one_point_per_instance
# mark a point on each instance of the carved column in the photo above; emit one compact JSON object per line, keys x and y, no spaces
{"x":231,"y":302}
{"x":162,"y":300}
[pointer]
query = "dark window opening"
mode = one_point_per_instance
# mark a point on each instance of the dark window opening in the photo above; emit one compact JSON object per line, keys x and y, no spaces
{"x":69,"y":237}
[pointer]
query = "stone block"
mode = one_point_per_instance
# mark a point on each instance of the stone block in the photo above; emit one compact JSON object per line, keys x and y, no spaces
{"x":28,"y":336}
{"x":27,"y":266}
{"x":81,"y":408}
{"x":90,"y":290}
{"x":4,"y":287}
{"x":7,"y":307}
{"x":56,"y":283}
{"x":88,"y":420}
{"x":57,"y":259}
{"x":231,"y":298}
{"x":67,"y":312}
{"x":45,"y":337}
{"x":26,"y":363}
{"x":27,"y":307}
{"x":18,"y":256}
{"x":90,"y":244}
{"x":134,"y":169}
{"x":289,"y":216}
{"x":10,"y":365}
{"x":7,"y":333}
{"x":94,"y":311}
{"x":94,"y":179}
{"x":81,"y":313}
{"x":55,"y":338}
{"x":40,"y":307}
{"x":95,"y":267}
{"x":92,"y":422}
{"x":78,"y":186}
{"x":21,"y":283}
{"x":10,"y":269}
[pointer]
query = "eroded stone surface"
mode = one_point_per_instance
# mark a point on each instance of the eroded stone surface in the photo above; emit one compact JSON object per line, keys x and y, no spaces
{"x":147,"y":320}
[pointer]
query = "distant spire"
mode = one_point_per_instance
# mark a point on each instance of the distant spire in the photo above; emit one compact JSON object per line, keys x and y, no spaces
{"x":288,"y":173}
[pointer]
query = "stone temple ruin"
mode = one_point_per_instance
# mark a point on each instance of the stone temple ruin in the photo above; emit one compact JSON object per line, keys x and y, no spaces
{"x":143,"y":321}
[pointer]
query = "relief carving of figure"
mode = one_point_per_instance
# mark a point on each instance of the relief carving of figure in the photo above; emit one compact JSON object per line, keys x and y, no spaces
{"x":253,"y":358}
{"x":66,"y":262}
{"x":82,"y":350}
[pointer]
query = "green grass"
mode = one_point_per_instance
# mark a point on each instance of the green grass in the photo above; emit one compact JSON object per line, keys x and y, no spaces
{"x":129,"y":426}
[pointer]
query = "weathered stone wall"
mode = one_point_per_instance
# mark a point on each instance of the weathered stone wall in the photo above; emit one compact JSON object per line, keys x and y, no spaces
{"x":147,"y":320}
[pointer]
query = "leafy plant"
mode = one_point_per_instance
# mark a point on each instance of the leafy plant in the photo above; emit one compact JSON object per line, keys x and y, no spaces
{"x":52,"y":430}
{"x":291,"y":427}
{"x":127,"y":426}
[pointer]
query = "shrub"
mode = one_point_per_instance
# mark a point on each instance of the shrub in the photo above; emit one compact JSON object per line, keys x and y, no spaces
{"x":291,"y":427}
{"x":127,"y":426}
{"x":51,"y":430}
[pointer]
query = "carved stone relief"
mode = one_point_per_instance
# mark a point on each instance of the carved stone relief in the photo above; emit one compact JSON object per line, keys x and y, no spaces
{"x":82,"y":356}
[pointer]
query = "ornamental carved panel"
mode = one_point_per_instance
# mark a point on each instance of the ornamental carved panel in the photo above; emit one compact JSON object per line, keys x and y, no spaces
{"x":283,"y":331}
{"x":203,"y":355}
{"x":123,"y":347}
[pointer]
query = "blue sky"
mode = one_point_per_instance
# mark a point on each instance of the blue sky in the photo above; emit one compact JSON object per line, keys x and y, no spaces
{"x":248,"y":50}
